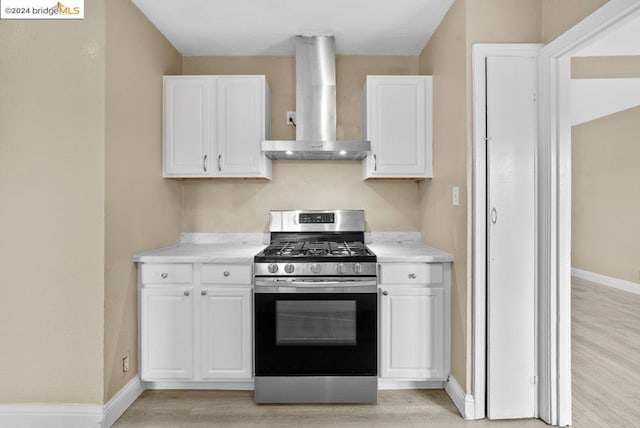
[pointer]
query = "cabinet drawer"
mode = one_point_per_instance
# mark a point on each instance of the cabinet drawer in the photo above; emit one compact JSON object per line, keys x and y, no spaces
{"x":411,"y":273}
{"x":166,"y":273}
{"x":226,"y":274}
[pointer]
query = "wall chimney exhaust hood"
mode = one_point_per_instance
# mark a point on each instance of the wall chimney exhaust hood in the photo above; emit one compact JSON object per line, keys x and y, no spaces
{"x":316,"y":108}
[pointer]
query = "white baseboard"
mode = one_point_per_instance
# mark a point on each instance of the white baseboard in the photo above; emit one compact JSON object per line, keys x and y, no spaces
{"x":71,"y":415}
{"x":89,"y":416}
{"x":463,"y":402}
{"x":620,"y":284}
{"x":241,"y":385}
{"x":408,"y":384}
{"x":51,"y":416}
{"x":121,"y":401}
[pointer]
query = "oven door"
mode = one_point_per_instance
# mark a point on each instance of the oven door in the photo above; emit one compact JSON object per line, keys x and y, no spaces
{"x":316,"y":327}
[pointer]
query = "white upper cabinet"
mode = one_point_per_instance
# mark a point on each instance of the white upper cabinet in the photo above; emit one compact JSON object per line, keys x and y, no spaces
{"x":398,"y":122}
{"x":214,"y":126}
{"x":188,"y":119}
{"x":242,"y":126}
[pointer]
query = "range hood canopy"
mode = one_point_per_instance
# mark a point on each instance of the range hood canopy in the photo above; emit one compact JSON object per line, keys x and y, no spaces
{"x":316,"y":108}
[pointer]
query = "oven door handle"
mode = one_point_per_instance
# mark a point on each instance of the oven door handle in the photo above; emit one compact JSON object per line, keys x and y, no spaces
{"x":315,"y":284}
{"x":324,"y":287}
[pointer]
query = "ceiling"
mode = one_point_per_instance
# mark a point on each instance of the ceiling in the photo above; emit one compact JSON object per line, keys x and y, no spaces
{"x":267,"y":27}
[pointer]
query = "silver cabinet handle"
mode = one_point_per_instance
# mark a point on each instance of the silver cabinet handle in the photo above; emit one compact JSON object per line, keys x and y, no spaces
{"x":494,"y":215}
{"x":164,"y":275}
{"x":186,"y":293}
{"x":375,"y":162}
{"x":204,"y":293}
{"x":385,"y":293}
{"x":226,"y":273}
{"x":204,"y":163}
{"x":219,"y":159}
{"x":412,"y":276}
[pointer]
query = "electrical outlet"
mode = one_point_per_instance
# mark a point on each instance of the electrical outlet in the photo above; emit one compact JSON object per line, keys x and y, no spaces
{"x":125,"y":364}
{"x":291,"y":118}
{"x":455,"y":197}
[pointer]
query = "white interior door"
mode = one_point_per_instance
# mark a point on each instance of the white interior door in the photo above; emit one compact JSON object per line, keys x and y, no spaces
{"x":511,"y":133}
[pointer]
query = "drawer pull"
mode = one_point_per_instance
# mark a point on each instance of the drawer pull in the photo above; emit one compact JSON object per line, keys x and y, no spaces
{"x":186,"y":293}
{"x":385,"y":293}
{"x":164,"y":275}
{"x":204,"y":293}
{"x":226,"y":273}
{"x":412,"y":276}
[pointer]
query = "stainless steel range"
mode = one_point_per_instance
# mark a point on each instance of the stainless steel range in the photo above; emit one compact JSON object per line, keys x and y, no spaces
{"x":316,"y":310}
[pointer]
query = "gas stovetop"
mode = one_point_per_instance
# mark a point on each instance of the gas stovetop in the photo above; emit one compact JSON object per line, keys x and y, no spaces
{"x":315,"y":258}
{"x":316,"y":243}
{"x":316,"y":249}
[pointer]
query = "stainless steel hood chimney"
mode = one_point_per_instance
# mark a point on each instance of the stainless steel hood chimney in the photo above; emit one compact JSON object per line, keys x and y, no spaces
{"x":316,"y":108}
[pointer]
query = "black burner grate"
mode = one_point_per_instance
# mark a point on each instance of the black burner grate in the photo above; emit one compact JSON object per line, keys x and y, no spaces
{"x":316,"y":249}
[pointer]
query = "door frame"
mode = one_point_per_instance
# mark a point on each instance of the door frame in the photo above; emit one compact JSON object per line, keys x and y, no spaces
{"x":479,"y":224}
{"x":554,"y":183}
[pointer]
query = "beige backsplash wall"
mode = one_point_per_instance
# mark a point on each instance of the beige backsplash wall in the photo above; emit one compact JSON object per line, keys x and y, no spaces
{"x":243,"y":205}
{"x":609,"y":67}
{"x":219,"y":205}
{"x":52,"y":209}
{"x":605,"y":202}
{"x":605,"y":216}
{"x":142,"y":209}
{"x":443,"y":225}
{"x":560,"y":15}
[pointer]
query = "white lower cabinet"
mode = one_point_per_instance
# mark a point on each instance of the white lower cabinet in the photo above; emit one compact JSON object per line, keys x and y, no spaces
{"x":166,"y":336}
{"x":199,"y":331}
{"x":414,"y":324}
{"x":412,"y":333}
{"x":225,"y":331}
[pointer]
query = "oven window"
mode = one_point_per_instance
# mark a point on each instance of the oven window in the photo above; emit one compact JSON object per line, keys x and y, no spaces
{"x":315,"y":322}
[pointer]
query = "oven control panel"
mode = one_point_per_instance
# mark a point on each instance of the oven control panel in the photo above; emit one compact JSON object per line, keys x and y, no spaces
{"x":312,"y":218}
{"x":315,"y":269}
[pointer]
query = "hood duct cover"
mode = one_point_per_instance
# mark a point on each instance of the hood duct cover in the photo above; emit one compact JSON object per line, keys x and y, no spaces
{"x":316,"y":108}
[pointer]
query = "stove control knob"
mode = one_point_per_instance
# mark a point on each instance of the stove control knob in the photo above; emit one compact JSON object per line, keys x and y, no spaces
{"x":315,"y":268}
{"x":272,"y":268}
{"x":341,"y":268}
{"x":289,"y":268}
{"x":357,"y":268}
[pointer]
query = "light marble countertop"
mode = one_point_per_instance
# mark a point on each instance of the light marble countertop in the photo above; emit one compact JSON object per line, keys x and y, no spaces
{"x":389,"y":247}
{"x":408,"y":252}
{"x":201,"y":253}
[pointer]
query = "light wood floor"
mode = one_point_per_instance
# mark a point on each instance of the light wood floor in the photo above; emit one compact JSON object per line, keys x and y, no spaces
{"x":606,"y":385}
{"x":605,"y":352}
{"x":400,"y":408}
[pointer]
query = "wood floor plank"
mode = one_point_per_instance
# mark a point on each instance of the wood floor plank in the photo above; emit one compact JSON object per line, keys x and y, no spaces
{"x":605,"y":356}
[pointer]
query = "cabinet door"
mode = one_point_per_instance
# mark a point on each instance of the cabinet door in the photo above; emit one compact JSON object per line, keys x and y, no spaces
{"x":166,"y":335}
{"x":241,"y":126}
{"x":412,"y":343}
{"x":226,"y":318}
{"x":188,"y":123}
{"x":398,"y":124}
